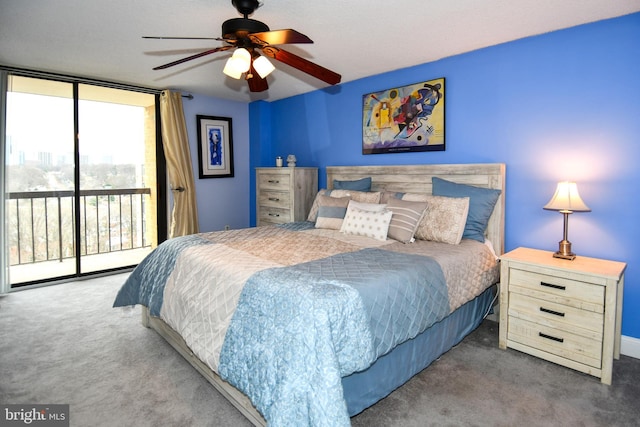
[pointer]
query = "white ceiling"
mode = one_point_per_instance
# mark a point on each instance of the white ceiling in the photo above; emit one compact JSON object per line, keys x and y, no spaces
{"x":356,"y":38}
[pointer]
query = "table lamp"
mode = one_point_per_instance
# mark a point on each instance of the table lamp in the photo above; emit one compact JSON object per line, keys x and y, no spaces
{"x":566,"y":200}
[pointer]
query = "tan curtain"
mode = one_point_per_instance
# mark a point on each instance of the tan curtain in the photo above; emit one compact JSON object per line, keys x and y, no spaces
{"x":184,"y":216}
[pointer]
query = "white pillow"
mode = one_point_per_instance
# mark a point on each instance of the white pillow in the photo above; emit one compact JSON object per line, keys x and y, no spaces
{"x":360,"y":222}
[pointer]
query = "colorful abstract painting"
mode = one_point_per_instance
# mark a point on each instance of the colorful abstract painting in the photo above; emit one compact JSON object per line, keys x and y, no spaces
{"x":404,"y":119}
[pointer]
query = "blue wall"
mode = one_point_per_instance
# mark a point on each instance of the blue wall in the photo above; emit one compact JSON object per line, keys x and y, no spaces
{"x":218,"y":201}
{"x":559,"y":106}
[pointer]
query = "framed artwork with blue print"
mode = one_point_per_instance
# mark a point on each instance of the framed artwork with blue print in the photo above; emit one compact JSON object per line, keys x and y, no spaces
{"x":404,"y":119}
{"x":215,"y":147}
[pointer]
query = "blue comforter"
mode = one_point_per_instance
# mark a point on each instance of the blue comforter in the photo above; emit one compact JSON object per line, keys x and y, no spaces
{"x":322,"y":320}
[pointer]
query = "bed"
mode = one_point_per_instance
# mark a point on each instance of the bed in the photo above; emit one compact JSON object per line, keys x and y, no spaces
{"x":311,"y":324}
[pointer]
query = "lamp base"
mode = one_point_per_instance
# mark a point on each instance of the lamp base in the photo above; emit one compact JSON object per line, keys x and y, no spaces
{"x":564,"y":251}
{"x":571,"y":256}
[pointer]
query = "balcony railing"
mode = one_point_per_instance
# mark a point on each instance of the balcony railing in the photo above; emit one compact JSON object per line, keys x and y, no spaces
{"x":41,"y":224}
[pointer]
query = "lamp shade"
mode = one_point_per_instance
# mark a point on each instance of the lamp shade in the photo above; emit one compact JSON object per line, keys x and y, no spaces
{"x":263,"y":66}
{"x":239,"y":63}
{"x":567,"y":199}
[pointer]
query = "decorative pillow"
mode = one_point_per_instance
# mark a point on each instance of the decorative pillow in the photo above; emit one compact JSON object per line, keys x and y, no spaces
{"x":359,"y":196}
{"x":370,"y":207}
{"x":481,"y":204}
{"x":415,"y":197}
{"x":313,"y":212}
{"x":363,"y":184}
{"x":386,"y":195}
{"x":405,"y":219}
{"x":444,"y":219}
{"x":366,"y":223}
{"x":331,"y":212}
{"x":373,"y":207}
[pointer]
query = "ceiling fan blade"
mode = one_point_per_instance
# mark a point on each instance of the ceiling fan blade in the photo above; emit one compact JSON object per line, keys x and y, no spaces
{"x":287,"y":36}
{"x":180,"y":38}
{"x":302,"y":64}
{"x":197,"y":55}
{"x":256,"y":83}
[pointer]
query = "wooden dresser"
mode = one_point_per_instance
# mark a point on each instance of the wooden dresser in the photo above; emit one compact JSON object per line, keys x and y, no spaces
{"x":567,"y":312}
{"x":284,"y":194}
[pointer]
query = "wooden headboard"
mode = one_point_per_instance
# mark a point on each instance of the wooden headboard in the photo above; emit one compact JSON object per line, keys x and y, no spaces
{"x":417,"y":179}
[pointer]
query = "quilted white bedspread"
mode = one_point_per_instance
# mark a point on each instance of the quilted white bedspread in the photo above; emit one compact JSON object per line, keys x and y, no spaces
{"x":204,"y":277}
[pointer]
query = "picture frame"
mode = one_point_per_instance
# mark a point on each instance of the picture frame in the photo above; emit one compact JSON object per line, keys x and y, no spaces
{"x":215,"y":147}
{"x":404,"y":119}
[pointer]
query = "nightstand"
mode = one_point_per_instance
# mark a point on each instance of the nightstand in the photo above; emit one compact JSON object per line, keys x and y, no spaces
{"x":566,"y":312}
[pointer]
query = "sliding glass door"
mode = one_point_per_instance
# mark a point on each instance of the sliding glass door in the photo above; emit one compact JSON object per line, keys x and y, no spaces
{"x":39,"y":175}
{"x":117,"y":145}
{"x":81,"y":179}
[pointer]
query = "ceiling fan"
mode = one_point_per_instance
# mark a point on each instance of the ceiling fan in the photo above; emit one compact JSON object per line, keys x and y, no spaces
{"x":248,"y":36}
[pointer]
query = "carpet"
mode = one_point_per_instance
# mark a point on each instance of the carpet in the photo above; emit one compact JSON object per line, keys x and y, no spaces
{"x":66,"y":344}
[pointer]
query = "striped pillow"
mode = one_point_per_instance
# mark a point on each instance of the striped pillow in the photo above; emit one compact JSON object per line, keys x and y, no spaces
{"x":405,"y":219}
{"x":331,"y":211}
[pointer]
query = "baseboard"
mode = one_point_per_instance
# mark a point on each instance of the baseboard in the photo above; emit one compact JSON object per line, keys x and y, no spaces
{"x":630,"y":346}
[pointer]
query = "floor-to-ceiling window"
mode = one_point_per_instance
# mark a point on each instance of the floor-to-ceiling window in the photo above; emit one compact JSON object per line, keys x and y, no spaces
{"x":81,"y":178}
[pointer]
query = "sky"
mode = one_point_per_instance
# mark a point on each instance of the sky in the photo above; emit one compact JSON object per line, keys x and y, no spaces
{"x":37,"y":123}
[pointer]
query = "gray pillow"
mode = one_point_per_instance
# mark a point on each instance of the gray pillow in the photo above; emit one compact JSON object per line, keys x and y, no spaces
{"x":363,"y":184}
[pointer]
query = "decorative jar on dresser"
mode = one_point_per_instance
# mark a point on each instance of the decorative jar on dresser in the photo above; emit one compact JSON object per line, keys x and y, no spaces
{"x":567,"y":312}
{"x":284,"y":194}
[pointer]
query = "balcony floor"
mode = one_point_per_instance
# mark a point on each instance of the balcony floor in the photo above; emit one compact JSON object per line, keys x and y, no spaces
{"x":89,"y":263}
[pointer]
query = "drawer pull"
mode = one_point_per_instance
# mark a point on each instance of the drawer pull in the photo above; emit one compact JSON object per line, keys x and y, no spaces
{"x":272,"y":214}
{"x":551,"y":285}
{"x":551,"y":337}
{"x":274,"y":199}
{"x":274,"y":181}
{"x":556,"y":313}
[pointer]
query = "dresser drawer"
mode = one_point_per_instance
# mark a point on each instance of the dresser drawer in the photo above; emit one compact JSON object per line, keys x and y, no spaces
{"x":585,"y":323}
{"x":582,"y":295}
{"x":274,"y":181}
{"x":275,"y":199}
{"x":554,"y":341}
{"x":274,"y":215}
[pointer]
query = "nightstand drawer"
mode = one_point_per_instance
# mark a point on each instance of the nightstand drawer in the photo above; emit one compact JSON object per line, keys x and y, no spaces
{"x":562,"y":317}
{"x":560,"y":290}
{"x":561,"y":343}
{"x":274,"y":215}
{"x":272,"y":181}
{"x":275,"y":199}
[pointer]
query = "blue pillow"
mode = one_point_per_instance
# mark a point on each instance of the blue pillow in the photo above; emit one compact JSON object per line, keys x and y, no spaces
{"x":363,"y":184}
{"x":481,"y":204}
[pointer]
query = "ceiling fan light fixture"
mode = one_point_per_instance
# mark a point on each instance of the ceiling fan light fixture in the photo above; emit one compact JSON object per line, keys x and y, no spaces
{"x":263,"y":66}
{"x":244,"y":37}
{"x":239,"y":63}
